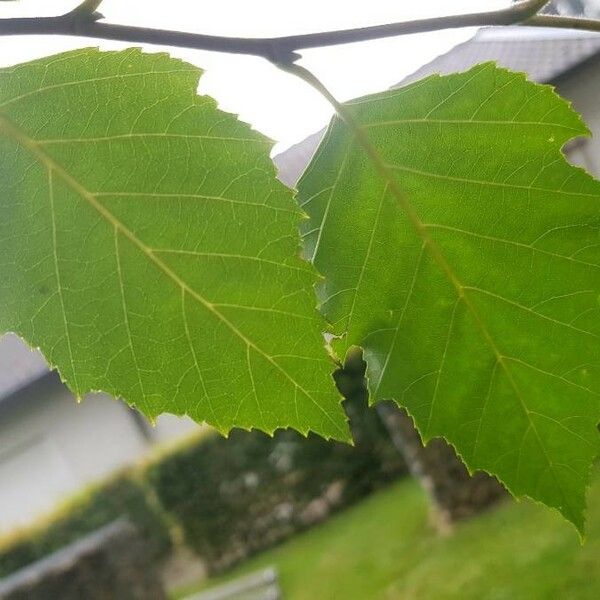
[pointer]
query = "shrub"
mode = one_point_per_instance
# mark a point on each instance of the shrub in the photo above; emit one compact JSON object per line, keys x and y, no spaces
{"x":239,"y":495}
{"x":98,"y":505}
{"x":230,"y":497}
{"x":113,"y":562}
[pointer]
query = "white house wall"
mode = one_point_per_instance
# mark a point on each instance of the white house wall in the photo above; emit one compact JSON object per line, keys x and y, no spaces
{"x":51,"y":446}
{"x":169,"y":428}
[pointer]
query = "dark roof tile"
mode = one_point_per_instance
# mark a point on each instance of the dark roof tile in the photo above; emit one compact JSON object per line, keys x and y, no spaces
{"x":541,"y":53}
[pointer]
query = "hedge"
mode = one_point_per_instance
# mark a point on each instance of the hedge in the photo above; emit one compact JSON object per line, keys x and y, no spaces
{"x":122,"y":495}
{"x":236,"y":496}
{"x":230,"y":497}
{"x":112,"y":562}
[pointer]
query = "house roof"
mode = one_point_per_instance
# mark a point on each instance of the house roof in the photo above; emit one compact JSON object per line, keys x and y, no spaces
{"x":292,"y":162}
{"x":544,"y":54}
{"x":18,"y":365}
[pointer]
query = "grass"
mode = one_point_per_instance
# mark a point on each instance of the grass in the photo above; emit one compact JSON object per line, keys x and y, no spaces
{"x":385,"y":548}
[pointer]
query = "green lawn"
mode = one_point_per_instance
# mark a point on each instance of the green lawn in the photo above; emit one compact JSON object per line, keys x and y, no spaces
{"x":385,"y":548}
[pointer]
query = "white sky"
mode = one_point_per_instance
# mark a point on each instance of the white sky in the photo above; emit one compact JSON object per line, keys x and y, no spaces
{"x":276,"y":103}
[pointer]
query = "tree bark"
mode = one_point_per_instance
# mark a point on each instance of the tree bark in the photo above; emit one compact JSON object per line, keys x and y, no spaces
{"x":454,"y":494}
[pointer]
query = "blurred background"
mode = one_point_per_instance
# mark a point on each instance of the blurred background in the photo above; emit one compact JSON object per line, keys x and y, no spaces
{"x":93,"y":492}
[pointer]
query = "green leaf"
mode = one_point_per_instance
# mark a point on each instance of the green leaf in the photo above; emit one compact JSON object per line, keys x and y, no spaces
{"x":479,"y":312}
{"x":147,"y":248}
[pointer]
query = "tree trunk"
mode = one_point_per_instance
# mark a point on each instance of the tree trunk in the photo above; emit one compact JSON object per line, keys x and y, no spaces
{"x":454,"y":493}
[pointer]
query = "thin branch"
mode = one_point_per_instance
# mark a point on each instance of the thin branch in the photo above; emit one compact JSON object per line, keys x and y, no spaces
{"x":83,"y":21}
{"x":88,"y":7}
{"x":563,"y":22}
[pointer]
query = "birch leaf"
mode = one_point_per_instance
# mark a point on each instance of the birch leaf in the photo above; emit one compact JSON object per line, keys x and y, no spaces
{"x":481,"y":314}
{"x":148,"y":250}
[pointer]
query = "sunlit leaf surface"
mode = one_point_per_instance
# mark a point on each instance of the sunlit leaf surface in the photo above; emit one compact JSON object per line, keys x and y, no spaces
{"x":147,"y":248}
{"x":481,"y":314}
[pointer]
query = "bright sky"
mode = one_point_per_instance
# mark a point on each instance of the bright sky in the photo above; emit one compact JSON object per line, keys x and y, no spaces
{"x":276,"y":103}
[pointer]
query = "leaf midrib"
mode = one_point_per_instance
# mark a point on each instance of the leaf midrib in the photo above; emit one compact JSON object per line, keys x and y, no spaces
{"x":52,"y":166}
